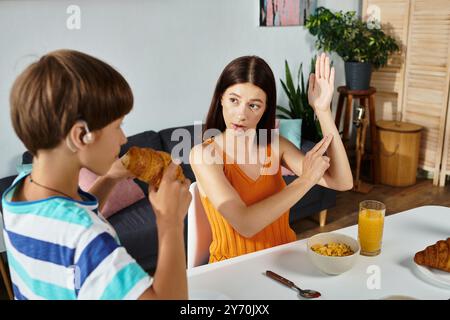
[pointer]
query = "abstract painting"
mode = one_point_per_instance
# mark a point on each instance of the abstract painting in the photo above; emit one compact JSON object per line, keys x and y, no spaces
{"x":285,"y":12}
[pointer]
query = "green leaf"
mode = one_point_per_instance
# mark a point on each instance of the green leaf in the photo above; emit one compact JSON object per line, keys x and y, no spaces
{"x":300,"y":70}
{"x":302,"y":106}
{"x":299,"y":73}
{"x":286,"y":90}
{"x":290,"y":95}
{"x":312,"y":68}
{"x":283,"y":109}
{"x":350,"y":37}
{"x":289,"y":82}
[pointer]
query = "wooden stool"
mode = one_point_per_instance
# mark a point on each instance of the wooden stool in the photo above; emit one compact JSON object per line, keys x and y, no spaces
{"x":361,"y":123}
{"x":366,"y":99}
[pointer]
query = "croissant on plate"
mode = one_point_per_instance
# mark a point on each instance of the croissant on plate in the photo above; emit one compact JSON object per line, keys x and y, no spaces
{"x":435,"y":256}
{"x":148,"y":165}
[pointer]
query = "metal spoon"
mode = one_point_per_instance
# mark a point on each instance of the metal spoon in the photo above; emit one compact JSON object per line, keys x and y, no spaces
{"x":309,"y":294}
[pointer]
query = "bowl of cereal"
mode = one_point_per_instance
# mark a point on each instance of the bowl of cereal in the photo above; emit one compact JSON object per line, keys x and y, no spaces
{"x":333,"y":253}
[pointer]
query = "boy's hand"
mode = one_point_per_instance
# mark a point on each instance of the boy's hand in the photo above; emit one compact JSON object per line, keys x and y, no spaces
{"x":118,"y":171}
{"x":171,"y":201}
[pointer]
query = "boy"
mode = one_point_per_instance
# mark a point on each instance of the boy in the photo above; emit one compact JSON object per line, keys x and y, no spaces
{"x":67,"y":109}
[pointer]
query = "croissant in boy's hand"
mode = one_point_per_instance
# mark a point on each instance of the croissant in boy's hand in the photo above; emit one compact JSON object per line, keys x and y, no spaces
{"x":435,"y":256}
{"x":148,"y":165}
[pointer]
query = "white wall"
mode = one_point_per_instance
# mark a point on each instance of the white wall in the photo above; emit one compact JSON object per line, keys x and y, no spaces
{"x":170,"y":51}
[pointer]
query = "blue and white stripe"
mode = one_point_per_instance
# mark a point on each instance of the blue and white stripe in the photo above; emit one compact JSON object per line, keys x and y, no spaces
{"x":58,"y":248}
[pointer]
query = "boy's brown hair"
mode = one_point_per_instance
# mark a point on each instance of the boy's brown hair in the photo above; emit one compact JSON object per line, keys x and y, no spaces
{"x":65,"y":86}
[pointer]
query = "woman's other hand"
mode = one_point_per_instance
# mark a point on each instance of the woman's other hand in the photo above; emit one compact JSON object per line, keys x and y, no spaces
{"x":315,"y":164}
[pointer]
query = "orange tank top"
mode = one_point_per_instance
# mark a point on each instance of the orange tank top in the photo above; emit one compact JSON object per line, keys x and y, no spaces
{"x":227,"y":242}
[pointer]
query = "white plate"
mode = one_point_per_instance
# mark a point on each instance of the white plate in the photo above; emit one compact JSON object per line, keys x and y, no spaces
{"x":437,"y":277}
{"x":207,"y":295}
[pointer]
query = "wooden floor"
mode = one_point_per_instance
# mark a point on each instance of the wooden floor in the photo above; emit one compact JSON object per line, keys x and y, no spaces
{"x":3,"y":295}
{"x":345,"y":213}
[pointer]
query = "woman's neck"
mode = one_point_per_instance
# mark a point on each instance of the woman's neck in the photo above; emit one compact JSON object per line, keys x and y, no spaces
{"x":241,"y":148}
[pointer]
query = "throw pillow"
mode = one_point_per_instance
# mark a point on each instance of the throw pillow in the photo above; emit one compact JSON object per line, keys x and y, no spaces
{"x":291,"y":129}
{"x":125,"y":193}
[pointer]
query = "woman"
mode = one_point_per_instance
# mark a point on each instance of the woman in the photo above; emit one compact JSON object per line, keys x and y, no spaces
{"x":247,"y":202}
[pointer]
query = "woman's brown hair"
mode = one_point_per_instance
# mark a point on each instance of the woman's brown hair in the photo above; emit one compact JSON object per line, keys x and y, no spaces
{"x":62,"y":87}
{"x":245,"y":69}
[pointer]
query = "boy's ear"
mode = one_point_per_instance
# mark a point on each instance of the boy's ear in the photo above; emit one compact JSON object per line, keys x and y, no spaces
{"x":70,"y":145}
{"x":78,"y":136}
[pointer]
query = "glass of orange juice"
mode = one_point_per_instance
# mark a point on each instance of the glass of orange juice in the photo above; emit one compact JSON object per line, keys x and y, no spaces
{"x":370,"y":226}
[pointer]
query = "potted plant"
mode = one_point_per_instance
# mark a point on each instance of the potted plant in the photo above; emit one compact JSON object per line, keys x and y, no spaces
{"x":361,"y":45}
{"x":299,"y":107}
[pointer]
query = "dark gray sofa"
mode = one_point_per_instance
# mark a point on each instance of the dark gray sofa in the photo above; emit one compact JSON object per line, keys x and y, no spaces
{"x":135,"y":225}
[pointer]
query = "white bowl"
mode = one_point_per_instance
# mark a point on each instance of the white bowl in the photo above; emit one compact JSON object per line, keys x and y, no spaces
{"x":333,"y":265}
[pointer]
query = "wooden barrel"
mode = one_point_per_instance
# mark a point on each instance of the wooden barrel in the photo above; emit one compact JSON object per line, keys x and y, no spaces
{"x":399,"y":145}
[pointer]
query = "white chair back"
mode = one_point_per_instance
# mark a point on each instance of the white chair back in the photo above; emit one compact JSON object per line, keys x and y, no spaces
{"x":2,"y":241}
{"x":199,"y":232}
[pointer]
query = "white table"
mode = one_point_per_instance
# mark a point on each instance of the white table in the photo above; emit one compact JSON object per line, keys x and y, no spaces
{"x":405,"y":233}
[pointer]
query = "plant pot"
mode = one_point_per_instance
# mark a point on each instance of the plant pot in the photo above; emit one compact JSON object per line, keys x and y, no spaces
{"x":357,"y":75}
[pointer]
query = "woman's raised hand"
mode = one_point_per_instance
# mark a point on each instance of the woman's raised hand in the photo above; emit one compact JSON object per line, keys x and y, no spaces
{"x":321,"y":84}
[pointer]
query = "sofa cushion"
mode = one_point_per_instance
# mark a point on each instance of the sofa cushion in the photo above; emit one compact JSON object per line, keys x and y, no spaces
{"x":125,"y":192}
{"x":27,"y":158}
{"x":310,"y":196}
{"x":318,"y":198}
{"x":5,"y":183}
{"x":169,"y":143}
{"x":136,"y":228}
{"x":307,"y":145}
{"x":325,"y":199}
{"x":291,"y":129}
{"x":147,"y":139}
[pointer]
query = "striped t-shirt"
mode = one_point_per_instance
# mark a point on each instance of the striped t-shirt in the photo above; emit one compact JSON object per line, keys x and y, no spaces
{"x":59,"y":248}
